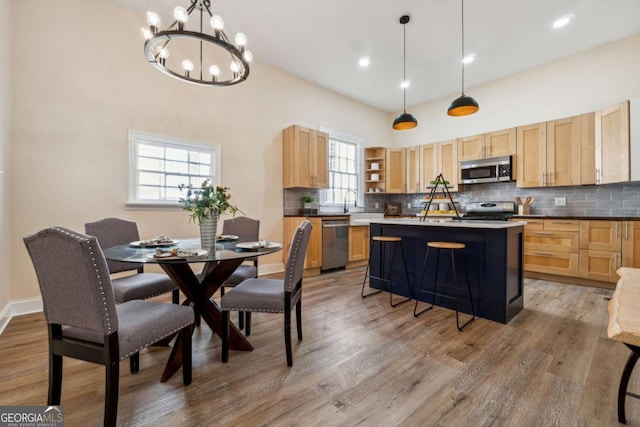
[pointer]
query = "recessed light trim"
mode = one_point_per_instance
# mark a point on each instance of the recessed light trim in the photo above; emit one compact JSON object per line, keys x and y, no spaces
{"x":364,"y":62}
{"x":563,"y":21}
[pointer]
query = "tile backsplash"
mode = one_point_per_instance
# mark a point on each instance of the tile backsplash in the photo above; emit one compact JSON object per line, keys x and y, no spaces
{"x":622,"y":199}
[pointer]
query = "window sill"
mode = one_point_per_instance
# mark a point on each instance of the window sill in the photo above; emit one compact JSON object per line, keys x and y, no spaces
{"x":150,"y":206}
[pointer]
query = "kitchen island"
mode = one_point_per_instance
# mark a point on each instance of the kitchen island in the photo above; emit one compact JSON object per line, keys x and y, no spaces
{"x":493,"y":254}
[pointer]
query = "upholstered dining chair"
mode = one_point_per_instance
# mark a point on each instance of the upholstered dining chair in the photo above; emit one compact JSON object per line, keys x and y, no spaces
{"x":247,"y":229}
{"x":83,"y":319}
{"x":272,"y":295}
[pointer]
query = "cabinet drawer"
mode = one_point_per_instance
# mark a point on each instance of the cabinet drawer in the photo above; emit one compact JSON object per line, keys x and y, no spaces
{"x":555,"y":241}
{"x":560,"y":263}
{"x":532,"y":224}
{"x":599,"y":265}
{"x":562,"y":224}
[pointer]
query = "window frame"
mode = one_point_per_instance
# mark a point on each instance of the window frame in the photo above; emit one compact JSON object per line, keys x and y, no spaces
{"x":135,"y":139}
{"x":359,"y":143}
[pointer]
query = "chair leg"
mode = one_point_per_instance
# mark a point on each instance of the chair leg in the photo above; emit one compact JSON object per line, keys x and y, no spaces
{"x":175,"y":296}
{"x":186,"y":354}
{"x":134,"y":363}
{"x":241,"y":320}
{"x":225,"y":336}
{"x":299,"y":319}
{"x":247,"y":327}
{"x":287,"y":336}
{"x":624,"y":382}
{"x":112,"y":369}
{"x":55,"y":378}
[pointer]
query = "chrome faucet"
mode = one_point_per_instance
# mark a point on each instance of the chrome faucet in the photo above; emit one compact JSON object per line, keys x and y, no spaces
{"x":355,"y":202}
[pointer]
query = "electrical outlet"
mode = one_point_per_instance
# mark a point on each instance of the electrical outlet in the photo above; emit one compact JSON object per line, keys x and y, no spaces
{"x":561,"y":201}
{"x":377,"y":206}
{"x":409,"y":205}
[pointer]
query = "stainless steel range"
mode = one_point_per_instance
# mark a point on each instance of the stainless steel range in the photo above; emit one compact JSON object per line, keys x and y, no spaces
{"x":490,"y":211}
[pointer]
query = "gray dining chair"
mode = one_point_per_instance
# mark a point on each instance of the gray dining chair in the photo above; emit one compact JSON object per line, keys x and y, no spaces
{"x":83,"y":319}
{"x":272,"y":295}
{"x":248,"y":229}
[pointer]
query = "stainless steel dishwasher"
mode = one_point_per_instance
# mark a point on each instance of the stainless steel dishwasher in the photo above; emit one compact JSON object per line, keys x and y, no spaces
{"x":335,"y":243}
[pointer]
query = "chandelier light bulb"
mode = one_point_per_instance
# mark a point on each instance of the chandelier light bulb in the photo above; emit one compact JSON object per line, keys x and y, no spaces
{"x":248,"y":56}
{"x":187,"y":65}
{"x":153,"y":19}
{"x":181,"y":15}
{"x":214,"y":70}
{"x":234,"y":67}
{"x":217,"y":23}
{"x":241,"y":40}
{"x":164,"y":53}
{"x":146,"y":33}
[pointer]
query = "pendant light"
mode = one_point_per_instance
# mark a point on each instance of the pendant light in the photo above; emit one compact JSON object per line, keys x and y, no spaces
{"x":405,"y":120}
{"x":463,"y":105}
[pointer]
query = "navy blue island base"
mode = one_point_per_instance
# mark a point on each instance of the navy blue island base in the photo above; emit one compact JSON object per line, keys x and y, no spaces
{"x":493,"y":254}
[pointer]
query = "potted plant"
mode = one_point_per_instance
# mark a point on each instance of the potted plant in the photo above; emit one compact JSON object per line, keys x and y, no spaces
{"x":307,"y":200}
{"x":206,"y":204}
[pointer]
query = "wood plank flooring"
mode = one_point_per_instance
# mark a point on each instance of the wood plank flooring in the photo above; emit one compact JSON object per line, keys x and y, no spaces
{"x":361,"y":363}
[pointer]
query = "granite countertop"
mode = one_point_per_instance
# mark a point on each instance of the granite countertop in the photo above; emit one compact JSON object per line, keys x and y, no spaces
{"x":577,"y":217}
{"x":430,"y":222}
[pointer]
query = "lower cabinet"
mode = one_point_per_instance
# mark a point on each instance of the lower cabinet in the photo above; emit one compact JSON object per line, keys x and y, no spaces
{"x":551,"y":246}
{"x":358,"y":243}
{"x":313,"y":259}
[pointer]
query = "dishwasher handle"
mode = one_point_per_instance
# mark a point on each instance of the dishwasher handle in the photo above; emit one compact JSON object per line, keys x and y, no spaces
{"x":335,"y":224}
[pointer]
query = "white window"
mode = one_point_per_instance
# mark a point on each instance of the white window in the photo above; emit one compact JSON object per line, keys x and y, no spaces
{"x":345,"y":173}
{"x":158,"y":165}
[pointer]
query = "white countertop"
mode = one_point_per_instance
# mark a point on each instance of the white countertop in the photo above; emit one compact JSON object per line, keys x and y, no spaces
{"x":432,"y":222}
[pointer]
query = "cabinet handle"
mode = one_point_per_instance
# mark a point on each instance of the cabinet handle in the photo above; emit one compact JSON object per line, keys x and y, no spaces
{"x":544,"y":179}
{"x":626,"y":229}
{"x":488,"y":150}
{"x":560,"y":222}
{"x":617,"y":230}
{"x":543,"y":253}
{"x":597,"y":176}
{"x":616,"y":260}
{"x":544,"y":233}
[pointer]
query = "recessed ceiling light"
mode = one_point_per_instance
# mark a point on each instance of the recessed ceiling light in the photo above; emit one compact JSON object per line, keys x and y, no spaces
{"x":405,"y":84}
{"x":561,"y":22}
{"x":469,"y":58}
{"x":364,"y":62}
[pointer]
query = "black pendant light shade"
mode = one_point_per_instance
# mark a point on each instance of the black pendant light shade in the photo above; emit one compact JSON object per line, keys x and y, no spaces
{"x":463,"y":105}
{"x":405,"y":120}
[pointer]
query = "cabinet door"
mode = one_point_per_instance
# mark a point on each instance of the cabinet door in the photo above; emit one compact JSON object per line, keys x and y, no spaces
{"x":396,"y":158}
{"x":599,"y":265}
{"x":600,"y":235}
{"x":531,"y":155}
{"x":587,"y":149}
{"x":551,"y":262}
{"x":563,"y":152}
{"x":448,"y":162}
{"x":313,"y":258}
{"x":413,"y":170}
{"x":298,"y":157}
{"x":358,"y":243}
{"x":500,"y":143}
{"x":631,"y":244}
{"x":320,"y":159}
{"x":612,"y":144}
{"x":471,"y":148}
{"x":428,"y":164}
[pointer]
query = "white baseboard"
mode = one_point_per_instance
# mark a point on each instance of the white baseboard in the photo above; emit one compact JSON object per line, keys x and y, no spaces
{"x":18,"y":308}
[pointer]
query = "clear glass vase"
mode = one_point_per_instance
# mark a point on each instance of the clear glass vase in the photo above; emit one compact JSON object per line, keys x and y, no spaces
{"x":209,"y":232}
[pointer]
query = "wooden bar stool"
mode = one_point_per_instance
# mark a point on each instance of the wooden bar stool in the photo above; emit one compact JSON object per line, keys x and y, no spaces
{"x":452,"y":246}
{"x":382,"y":243}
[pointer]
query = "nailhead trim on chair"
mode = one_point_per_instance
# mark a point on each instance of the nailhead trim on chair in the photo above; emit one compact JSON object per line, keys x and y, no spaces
{"x":82,"y":239}
{"x":156,"y":340}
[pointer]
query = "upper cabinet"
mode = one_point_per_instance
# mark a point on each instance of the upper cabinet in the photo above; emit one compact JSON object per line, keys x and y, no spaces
{"x":556,"y":153}
{"x":439,"y":158}
{"x":413,"y":170}
{"x":488,"y":145}
{"x":612,"y":144}
{"x":374,"y":169}
{"x":395,"y":174}
{"x":305,"y":158}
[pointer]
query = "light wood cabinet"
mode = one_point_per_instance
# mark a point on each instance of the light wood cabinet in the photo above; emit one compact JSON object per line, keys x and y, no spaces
{"x":600,"y":249}
{"x":551,"y":246}
{"x":493,"y":144}
{"x":631,"y":244}
{"x":375,"y":159}
{"x":395,"y":181}
{"x":413,"y":170}
{"x":313,"y":258}
{"x":305,"y":158}
{"x":439,"y":158}
{"x":551,"y":154}
{"x":358,"y":243}
{"x":612,"y":144}
{"x":599,"y":265}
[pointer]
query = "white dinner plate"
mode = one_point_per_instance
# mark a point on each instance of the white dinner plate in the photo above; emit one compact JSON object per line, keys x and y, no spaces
{"x":258,"y":245}
{"x":168,"y":255}
{"x":141,"y":244}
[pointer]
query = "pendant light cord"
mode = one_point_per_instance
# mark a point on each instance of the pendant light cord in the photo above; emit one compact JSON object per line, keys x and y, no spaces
{"x":404,"y":68}
{"x":462,"y":59}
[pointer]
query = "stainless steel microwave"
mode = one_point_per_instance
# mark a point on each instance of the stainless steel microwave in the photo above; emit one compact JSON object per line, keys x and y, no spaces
{"x":486,"y":170}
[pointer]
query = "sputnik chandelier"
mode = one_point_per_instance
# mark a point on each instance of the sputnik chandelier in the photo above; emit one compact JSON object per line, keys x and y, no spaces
{"x":200,"y":39}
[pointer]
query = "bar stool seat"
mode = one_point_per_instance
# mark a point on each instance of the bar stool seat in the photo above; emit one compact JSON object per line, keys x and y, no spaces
{"x":382,"y":243}
{"x":452,"y":247}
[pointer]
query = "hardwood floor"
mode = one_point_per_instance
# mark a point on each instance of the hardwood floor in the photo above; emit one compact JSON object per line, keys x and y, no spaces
{"x":361,"y":363}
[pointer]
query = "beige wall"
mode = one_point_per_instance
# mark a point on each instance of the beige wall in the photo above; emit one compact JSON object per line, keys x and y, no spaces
{"x":5,"y":139}
{"x":573,"y":85}
{"x":81,"y":83}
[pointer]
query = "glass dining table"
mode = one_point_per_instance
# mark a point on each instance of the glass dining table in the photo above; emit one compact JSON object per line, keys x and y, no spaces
{"x":198,"y":288}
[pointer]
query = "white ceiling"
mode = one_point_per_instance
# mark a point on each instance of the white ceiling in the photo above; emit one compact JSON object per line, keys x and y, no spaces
{"x":322,"y":40}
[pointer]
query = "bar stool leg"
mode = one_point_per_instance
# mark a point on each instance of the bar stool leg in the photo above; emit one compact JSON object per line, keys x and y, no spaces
{"x":419,"y":287}
{"x":466,"y":277}
{"x":366,"y":275}
{"x":406,"y":272}
{"x":624,"y":382}
{"x":435,"y":280}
